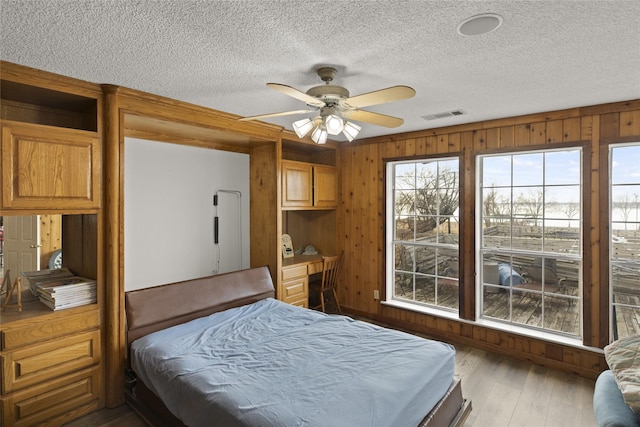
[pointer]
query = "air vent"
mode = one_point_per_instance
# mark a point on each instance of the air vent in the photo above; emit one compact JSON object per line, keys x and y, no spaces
{"x":443,"y":115}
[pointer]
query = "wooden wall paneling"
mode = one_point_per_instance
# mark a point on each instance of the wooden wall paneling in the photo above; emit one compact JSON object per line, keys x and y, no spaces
{"x":609,"y":125}
{"x":385,"y":152}
{"x":522,"y":135}
{"x":421,"y":145}
{"x":571,"y":129}
{"x":630,"y":123}
{"x":410,"y":147}
{"x":363,"y":206}
{"x":349,"y":267}
{"x":360,"y":240}
{"x":479,"y":140}
{"x":492,"y":139}
{"x":381,"y":176}
{"x":342,"y":223}
{"x":431,"y":146}
{"x":401,"y":148}
{"x":555,"y":131}
{"x":507,"y":136}
{"x":454,"y":142}
{"x":351,"y":242}
{"x":375,"y":230}
{"x":442,"y":143}
{"x":538,"y":133}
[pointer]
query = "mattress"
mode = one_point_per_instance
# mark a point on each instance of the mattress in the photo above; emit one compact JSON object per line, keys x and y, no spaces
{"x":274,"y":364}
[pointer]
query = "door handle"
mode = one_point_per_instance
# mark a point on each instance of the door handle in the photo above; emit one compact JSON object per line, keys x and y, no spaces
{"x":35,"y":246}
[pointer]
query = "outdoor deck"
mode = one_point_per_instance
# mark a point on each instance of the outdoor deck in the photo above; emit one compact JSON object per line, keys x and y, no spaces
{"x":554,"y":312}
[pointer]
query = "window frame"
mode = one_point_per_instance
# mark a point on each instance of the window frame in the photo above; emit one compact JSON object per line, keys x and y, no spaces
{"x":481,"y":251}
{"x":390,"y":241}
{"x":611,"y":260}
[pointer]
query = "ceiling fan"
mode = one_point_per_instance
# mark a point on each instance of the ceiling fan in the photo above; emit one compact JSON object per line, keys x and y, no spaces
{"x":336,"y":108}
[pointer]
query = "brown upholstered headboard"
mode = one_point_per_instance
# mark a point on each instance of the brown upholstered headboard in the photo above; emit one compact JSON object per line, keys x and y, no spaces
{"x":159,"y":307}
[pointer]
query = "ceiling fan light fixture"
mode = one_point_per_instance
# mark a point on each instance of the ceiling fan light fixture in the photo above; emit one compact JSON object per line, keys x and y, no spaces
{"x":319,"y":135}
{"x":334,"y":124}
{"x":302,"y":127}
{"x":351,"y":130}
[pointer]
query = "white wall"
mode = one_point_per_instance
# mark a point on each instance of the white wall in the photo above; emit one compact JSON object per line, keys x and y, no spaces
{"x":169,"y":212}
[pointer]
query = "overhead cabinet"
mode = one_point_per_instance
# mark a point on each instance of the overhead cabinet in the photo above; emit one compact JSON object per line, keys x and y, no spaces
{"x":307,"y":185}
{"x":50,"y":141}
{"x":47,"y":167}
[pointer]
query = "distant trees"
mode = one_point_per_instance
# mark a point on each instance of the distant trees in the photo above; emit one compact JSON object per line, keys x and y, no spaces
{"x":433,"y":197}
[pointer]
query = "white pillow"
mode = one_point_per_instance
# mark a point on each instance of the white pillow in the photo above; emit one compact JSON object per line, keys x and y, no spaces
{"x":623,"y":358}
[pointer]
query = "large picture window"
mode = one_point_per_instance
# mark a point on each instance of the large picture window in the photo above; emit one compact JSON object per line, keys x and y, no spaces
{"x":422,"y":232}
{"x":624,"y":250}
{"x":530,"y":239}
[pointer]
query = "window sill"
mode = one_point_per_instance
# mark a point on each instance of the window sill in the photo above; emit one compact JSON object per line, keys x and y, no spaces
{"x":513,"y":329}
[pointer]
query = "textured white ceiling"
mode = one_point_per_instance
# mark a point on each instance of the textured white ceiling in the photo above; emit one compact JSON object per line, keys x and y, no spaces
{"x":547,"y":55}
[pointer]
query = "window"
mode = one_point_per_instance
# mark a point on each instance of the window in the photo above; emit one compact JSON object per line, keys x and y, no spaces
{"x":624,"y":250}
{"x":422,"y":232}
{"x":530,"y":239}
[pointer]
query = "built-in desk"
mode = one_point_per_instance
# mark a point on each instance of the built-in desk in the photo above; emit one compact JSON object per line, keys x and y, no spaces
{"x":294,"y":286}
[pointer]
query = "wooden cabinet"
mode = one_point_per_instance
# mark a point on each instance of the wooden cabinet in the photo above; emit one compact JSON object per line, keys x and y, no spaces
{"x":297,"y":184}
{"x":51,"y":165}
{"x":49,"y":168}
{"x":305,"y":185}
{"x":50,"y":368}
{"x":51,"y":140}
{"x":325,"y":186}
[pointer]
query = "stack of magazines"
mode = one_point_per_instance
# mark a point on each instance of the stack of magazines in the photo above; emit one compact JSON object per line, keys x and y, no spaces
{"x":59,"y":288}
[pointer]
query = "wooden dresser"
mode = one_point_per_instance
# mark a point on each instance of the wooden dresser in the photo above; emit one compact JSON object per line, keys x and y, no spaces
{"x":50,"y":364}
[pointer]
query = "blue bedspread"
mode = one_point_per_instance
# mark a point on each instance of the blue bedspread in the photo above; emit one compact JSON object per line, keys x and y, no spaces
{"x":274,"y":364}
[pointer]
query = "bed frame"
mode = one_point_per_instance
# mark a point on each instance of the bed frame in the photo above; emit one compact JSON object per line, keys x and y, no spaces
{"x":152,"y":309}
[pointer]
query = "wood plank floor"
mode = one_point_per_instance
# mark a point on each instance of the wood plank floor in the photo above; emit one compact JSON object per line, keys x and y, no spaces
{"x":504,"y":393}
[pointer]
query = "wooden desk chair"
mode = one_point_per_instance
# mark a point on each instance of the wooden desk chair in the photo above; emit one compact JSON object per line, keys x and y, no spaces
{"x":330,"y":271}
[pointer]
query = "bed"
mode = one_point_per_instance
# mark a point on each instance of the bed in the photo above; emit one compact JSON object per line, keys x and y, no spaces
{"x":221,"y":350}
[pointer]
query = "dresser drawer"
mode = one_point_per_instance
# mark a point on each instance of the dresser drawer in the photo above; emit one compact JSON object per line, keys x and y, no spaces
{"x":53,"y":402}
{"x":14,"y":337}
{"x":314,"y":268}
{"x":295,"y":291}
{"x":40,"y":362}
{"x":293,"y":272}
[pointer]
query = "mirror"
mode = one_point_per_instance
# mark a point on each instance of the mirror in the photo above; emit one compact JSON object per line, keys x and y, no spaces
{"x":35,"y":242}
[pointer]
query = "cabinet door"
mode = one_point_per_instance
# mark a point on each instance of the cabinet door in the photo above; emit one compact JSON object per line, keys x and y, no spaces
{"x":49,"y":168}
{"x":325,"y":186}
{"x":297,"y":190}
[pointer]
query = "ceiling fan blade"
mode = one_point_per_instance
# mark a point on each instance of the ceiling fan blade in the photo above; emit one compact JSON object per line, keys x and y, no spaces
{"x":265,"y":116}
{"x":390,"y":94}
{"x":295,"y":93}
{"x":374,"y":118}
